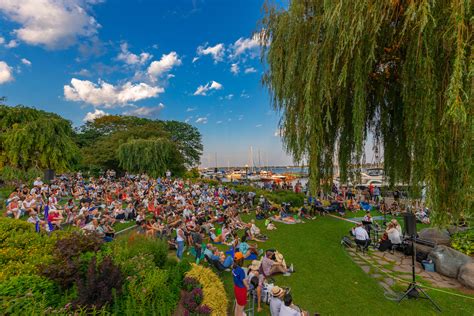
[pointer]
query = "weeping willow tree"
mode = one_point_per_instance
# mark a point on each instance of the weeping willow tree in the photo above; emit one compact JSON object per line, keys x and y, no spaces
{"x":32,"y":140}
{"x":398,"y":71}
{"x":152,"y":156}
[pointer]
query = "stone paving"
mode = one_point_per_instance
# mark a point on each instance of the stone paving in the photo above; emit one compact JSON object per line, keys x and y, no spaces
{"x":399,"y":266}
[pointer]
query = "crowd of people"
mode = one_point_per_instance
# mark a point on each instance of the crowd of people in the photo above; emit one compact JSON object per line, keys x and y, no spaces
{"x":194,"y":217}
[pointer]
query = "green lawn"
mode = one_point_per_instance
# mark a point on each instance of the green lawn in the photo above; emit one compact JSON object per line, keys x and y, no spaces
{"x":327,"y":281}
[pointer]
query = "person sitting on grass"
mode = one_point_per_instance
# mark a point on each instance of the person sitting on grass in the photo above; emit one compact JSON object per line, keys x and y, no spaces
{"x":290,"y":309}
{"x":219,"y":260}
{"x":55,"y":218}
{"x":253,"y":232}
{"x":276,"y":301}
{"x":256,"y":280}
{"x":271,"y":265}
{"x":269,"y":224}
{"x":247,"y":249}
{"x":13,"y":208}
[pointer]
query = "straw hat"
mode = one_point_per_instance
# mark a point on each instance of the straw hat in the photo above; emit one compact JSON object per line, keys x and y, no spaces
{"x":277,"y":291}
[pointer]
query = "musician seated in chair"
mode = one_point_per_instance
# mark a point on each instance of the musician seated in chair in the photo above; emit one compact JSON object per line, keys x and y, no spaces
{"x":361,"y":237}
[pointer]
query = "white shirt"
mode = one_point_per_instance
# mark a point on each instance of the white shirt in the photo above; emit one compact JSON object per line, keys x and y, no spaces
{"x":275,"y":306}
{"x":361,"y":234}
{"x":288,"y":311}
{"x":394,"y":236}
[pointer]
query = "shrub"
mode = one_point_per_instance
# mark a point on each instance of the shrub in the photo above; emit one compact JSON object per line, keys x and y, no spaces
{"x":71,"y":257}
{"x":22,"y":249}
{"x":148,"y":295}
{"x":99,"y":284}
{"x":463,"y":241}
{"x":190,"y":284}
{"x":212,"y":287}
{"x":20,"y":292}
{"x":138,"y":245}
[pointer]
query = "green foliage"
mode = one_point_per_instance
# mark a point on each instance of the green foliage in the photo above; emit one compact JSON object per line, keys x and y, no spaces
{"x":101,"y":138}
{"x":152,"y":156}
{"x":188,"y":140}
{"x":140,"y":245}
{"x":72,"y":255}
{"x":14,"y":175}
{"x":278,"y":197}
{"x":22,"y":250}
{"x":464,"y":242}
{"x":400,"y":71}
{"x":31,"y":138}
{"x":99,"y":285}
{"x":19,"y":292}
{"x":192,"y":174}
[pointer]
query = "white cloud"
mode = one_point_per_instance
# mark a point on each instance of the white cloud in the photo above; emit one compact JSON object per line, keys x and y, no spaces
{"x":240,"y":118}
{"x":83,"y":72}
{"x":91,"y":116}
{"x":219,"y":122}
{"x":130,"y":58}
{"x":165,"y":64}
{"x":190,"y":109}
{"x":51,"y":23}
{"x":250,"y":70}
{"x":195,"y":59}
{"x":5,"y":72}
{"x":25,"y":61}
{"x":145,"y":111}
{"x":229,"y":97}
{"x":2,"y":40}
{"x":217,"y":52}
{"x":213,"y":85}
{"x":244,"y":95}
{"x":201,"y":120}
{"x":12,"y":44}
{"x":188,"y":119}
{"x":108,"y":95}
{"x":246,"y":46}
{"x":234,"y":68}
{"x":258,"y":125}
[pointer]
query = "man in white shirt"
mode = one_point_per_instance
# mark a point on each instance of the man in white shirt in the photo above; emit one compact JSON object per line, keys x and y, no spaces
{"x":361,"y":236}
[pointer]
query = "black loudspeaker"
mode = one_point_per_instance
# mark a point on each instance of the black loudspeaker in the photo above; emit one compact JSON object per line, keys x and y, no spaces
{"x":410,"y":224}
{"x":49,"y":175}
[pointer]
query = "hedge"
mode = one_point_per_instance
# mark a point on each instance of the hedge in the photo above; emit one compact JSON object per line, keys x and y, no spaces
{"x":214,"y":292}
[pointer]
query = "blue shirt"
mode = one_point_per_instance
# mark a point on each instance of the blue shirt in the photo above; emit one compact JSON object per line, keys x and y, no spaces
{"x":239,"y":277}
{"x":243,"y":247}
{"x":228,"y":261}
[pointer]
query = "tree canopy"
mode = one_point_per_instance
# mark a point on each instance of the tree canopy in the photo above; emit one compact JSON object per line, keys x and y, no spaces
{"x":399,"y":71}
{"x":101,"y":139}
{"x":152,"y":156}
{"x":31,"y":138}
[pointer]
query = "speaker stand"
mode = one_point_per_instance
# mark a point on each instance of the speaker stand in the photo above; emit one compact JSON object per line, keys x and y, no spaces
{"x":414,"y":290}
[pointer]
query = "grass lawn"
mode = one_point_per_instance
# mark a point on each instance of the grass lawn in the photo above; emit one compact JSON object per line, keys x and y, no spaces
{"x":329,"y":282}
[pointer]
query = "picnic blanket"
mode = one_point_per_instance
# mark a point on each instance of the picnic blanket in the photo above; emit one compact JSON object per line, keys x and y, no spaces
{"x":279,"y":220}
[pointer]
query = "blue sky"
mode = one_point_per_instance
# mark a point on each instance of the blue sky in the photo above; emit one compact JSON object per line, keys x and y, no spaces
{"x":194,"y":61}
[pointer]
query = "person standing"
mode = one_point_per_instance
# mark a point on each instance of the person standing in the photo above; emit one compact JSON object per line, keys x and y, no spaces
{"x":180,"y":242}
{"x":197,"y":241}
{"x":240,"y":284}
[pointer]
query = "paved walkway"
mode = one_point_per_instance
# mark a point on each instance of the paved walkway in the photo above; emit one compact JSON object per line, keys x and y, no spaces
{"x":391,"y":268}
